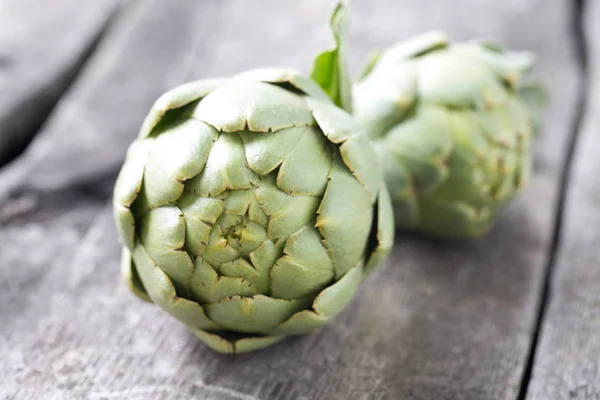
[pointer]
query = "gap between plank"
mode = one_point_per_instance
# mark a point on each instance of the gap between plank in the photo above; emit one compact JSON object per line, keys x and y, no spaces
{"x":581,"y":48}
{"x":69,"y":76}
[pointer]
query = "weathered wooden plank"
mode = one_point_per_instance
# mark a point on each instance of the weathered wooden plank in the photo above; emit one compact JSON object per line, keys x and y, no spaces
{"x":440,"y":321}
{"x":41,"y":50}
{"x":87,"y":139}
{"x":567,"y":365}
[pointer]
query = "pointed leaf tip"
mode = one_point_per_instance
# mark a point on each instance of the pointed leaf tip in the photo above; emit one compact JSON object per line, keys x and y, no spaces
{"x":330,"y":70}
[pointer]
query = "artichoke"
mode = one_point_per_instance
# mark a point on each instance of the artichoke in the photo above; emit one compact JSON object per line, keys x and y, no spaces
{"x":452,"y":125}
{"x":250,"y":208}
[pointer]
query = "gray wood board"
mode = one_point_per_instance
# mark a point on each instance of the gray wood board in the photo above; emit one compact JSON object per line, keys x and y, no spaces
{"x":152,"y":48}
{"x":41,"y":49}
{"x":567,"y":365}
{"x":439,"y":321}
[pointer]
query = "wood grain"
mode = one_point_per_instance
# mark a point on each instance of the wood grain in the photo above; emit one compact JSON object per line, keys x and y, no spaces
{"x":438,"y":321}
{"x":41,"y":50}
{"x":153,"y":47}
{"x":567,"y":365}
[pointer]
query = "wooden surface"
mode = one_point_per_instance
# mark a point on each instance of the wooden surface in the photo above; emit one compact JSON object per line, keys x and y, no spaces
{"x":568,"y":362}
{"x":438,"y":321}
{"x":41,"y":50}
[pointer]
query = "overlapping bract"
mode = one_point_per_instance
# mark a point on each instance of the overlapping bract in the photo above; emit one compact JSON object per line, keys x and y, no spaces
{"x":250,"y":208}
{"x":452,"y":130}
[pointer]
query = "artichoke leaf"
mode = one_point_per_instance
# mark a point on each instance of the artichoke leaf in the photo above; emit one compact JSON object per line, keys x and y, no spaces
{"x":287,"y":214}
{"x":131,"y":277}
{"x":127,"y":188}
{"x":162,"y":233}
{"x":240,"y":345}
{"x":455,"y":219}
{"x":335,"y":123}
{"x":361,"y":160}
{"x":161,"y":291}
{"x":384,"y":231}
{"x":282,"y":76}
{"x":330,"y":70}
{"x":344,"y":238}
{"x":258,"y":278}
{"x":176,"y":99}
{"x":326,"y":306}
{"x":372,"y":60}
{"x":266,"y":151}
{"x":253,"y":106}
{"x":176,"y":156}
{"x":258,"y":314}
{"x":225,"y":168}
{"x":305,"y":171}
{"x":416,"y":46}
{"x":304,"y":269}
{"x":208,"y":287}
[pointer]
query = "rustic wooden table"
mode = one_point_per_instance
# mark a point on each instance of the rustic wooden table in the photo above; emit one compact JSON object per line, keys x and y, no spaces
{"x":515,"y":315}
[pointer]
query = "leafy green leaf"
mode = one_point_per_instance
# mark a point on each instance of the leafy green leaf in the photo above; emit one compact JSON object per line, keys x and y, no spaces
{"x":534,"y":94}
{"x":330,"y":70}
{"x":372,"y":60}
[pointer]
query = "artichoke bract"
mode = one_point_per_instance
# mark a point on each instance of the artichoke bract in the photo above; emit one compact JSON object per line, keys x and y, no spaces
{"x":250,"y":208}
{"x":452,"y":125}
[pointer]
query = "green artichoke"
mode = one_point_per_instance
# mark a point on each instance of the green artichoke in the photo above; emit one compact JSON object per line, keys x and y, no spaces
{"x":250,"y":208}
{"x":452,"y":126}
